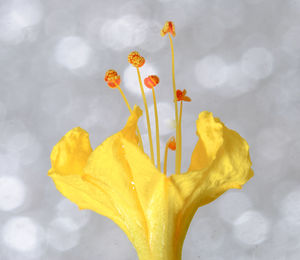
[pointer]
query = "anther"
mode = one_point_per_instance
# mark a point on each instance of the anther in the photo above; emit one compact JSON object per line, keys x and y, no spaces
{"x":136,"y":59}
{"x":172,"y":143}
{"x":112,"y":78}
{"x":169,"y":27}
{"x":151,"y":81}
{"x":181,"y":96}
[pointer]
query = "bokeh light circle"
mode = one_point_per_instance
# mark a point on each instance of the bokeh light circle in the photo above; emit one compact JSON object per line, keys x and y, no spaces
{"x":126,"y":31}
{"x":22,"y":234}
{"x":72,"y":52}
{"x":131,"y":81}
{"x":62,"y":234}
{"x":232,"y":204}
{"x":251,"y":228}
{"x":67,"y":209}
{"x":211,"y":71}
{"x":12,"y":193}
{"x":257,"y":63}
{"x":290,"y":207}
{"x":166,"y":116}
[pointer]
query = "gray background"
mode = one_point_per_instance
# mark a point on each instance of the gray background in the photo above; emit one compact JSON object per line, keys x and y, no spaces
{"x":237,"y":58}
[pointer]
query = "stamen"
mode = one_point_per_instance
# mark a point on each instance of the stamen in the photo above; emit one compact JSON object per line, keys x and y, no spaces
{"x":151,"y":82}
{"x":113,"y":81}
{"x":171,"y":144}
{"x":169,"y":29}
{"x":137,"y":61}
{"x":181,"y":96}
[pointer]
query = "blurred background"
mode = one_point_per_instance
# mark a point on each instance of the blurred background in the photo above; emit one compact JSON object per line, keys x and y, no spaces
{"x":239,"y":59}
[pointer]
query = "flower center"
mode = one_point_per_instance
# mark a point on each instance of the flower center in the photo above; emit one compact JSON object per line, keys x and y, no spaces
{"x":113,"y":80}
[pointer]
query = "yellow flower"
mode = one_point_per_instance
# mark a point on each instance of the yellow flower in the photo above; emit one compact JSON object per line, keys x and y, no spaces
{"x":118,"y":180}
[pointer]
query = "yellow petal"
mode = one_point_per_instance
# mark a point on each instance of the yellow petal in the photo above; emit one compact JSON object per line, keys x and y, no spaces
{"x":68,"y":158}
{"x":210,"y":133}
{"x":136,"y":188}
{"x":225,"y":164}
{"x":70,"y":154}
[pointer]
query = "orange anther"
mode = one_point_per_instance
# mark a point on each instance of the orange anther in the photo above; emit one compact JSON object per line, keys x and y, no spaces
{"x":136,"y":59}
{"x":169,"y":27}
{"x":151,"y":81}
{"x":112,"y":78}
{"x":172,"y":143}
{"x":181,"y":95}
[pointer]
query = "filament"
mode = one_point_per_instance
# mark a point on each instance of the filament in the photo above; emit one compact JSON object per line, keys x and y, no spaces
{"x":157,"y":131}
{"x":147,"y":115}
{"x":124,"y":97}
{"x":166,"y":158}
{"x":178,"y":151}
{"x":180,"y":135}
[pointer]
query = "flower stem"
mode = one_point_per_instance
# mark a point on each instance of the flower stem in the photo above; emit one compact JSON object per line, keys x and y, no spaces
{"x":130,"y":110}
{"x":157,"y":131}
{"x":178,"y":160}
{"x":147,"y":115}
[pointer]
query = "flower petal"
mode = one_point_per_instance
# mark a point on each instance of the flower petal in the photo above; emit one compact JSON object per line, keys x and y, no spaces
{"x":210,"y":133}
{"x":118,"y":181}
{"x":134,"y":185}
{"x":70,"y":154}
{"x":225,"y":164}
{"x":68,"y":158}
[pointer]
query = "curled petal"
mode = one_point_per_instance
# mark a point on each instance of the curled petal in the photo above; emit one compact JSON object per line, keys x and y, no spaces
{"x":68,"y":159}
{"x":225,"y":161}
{"x":220,"y":162}
{"x":70,"y":154}
{"x":210,"y":133}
